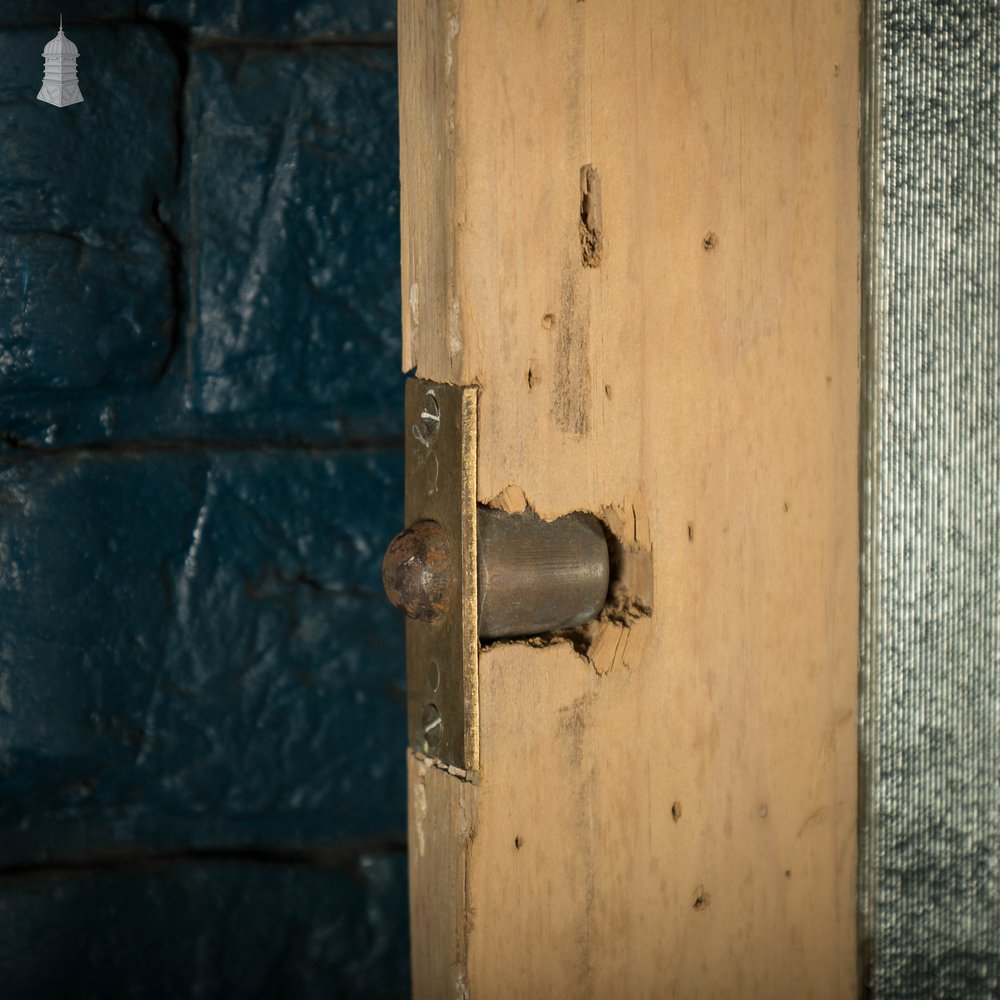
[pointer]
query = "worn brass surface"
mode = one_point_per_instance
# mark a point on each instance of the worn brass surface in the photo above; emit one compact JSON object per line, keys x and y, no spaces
{"x":442,"y":656}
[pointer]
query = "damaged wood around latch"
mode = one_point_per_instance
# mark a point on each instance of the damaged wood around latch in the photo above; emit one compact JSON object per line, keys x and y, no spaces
{"x":464,"y":573}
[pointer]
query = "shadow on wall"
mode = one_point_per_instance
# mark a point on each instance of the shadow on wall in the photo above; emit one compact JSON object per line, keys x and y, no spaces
{"x":202,"y":720}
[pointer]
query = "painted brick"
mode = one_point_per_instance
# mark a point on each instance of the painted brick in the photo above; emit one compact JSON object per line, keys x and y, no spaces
{"x":195,"y":655}
{"x":294,"y":195}
{"x":287,"y":229}
{"x":22,"y":13}
{"x":86,"y":294}
{"x":208,"y":931}
{"x":195,"y":650}
{"x":75,"y":315}
{"x":267,"y":19}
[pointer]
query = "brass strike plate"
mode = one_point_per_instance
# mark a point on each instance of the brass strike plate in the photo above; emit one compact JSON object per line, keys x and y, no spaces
{"x":442,"y":656}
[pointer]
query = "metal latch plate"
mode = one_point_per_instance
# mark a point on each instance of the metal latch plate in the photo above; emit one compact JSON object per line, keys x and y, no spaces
{"x":442,"y":656}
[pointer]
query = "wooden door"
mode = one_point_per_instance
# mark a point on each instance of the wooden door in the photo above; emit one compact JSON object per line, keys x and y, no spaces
{"x":635,"y":226}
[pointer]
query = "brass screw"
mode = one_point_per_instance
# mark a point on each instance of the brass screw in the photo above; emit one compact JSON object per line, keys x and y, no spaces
{"x":433,"y":726}
{"x":430,"y":420}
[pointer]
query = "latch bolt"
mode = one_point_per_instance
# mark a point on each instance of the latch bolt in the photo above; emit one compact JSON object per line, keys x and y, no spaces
{"x":534,"y":576}
{"x":463,"y":573}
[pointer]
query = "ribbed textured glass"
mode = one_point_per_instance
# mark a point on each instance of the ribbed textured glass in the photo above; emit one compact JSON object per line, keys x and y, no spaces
{"x":930,"y":692}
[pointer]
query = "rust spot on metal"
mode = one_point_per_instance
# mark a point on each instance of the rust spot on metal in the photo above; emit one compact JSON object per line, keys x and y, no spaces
{"x":416,"y":571}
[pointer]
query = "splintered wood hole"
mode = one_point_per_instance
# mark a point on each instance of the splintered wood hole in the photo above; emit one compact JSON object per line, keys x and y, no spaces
{"x":702,"y":900}
{"x":591,"y":224}
{"x":710,"y":242}
{"x":675,"y":811}
{"x":518,"y":842}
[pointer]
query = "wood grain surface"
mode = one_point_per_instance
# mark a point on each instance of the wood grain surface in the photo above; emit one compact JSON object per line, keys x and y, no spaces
{"x":635,"y":226}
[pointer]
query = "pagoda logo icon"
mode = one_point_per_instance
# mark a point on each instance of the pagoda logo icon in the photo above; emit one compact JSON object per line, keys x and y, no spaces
{"x":59,"y":86}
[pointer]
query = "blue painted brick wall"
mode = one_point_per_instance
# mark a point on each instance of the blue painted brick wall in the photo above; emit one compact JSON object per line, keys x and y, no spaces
{"x":201,"y":686}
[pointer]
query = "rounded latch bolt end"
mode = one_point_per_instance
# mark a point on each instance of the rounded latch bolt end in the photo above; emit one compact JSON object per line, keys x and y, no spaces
{"x":416,"y":571}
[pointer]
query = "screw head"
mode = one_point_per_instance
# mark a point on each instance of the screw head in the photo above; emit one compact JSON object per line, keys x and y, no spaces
{"x":433,"y":726}
{"x":430,"y":418}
